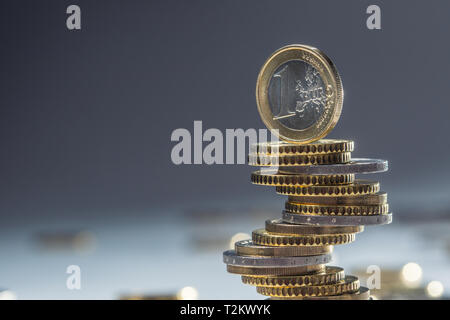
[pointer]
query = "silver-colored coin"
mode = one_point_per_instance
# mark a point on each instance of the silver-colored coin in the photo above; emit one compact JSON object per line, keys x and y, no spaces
{"x":336,"y":220}
{"x":280,"y":227}
{"x":357,"y":165}
{"x":230,"y":257}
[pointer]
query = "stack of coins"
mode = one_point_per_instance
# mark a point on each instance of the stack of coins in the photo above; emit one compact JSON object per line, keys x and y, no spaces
{"x":299,"y":96}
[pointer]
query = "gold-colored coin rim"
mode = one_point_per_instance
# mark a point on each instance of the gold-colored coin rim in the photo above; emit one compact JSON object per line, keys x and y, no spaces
{"x":262,"y":237}
{"x":350,"y":284}
{"x":322,"y":146}
{"x":330,"y":210}
{"x":275,"y":271}
{"x":330,"y":276}
{"x":362,"y":294}
{"x":272,"y":178}
{"x":277,"y":226}
{"x":330,"y":78}
{"x":270,"y":251}
{"x":259,"y":160}
{"x":359,"y":187}
{"x":361,"y":200}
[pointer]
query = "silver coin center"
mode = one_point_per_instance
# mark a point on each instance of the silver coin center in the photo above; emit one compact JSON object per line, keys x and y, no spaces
{"x":297,"y":95}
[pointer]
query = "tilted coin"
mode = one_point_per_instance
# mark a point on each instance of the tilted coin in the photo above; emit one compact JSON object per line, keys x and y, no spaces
{"x":362,"y":294}
{"x":230,"y":257}
{"x":359,"y":187}
{"x":278,"y":226}
{"x":278,"y":271}
{"x":331,"y":275}
{"x":356,"y":165}
{"x":299,"y":94}
{"x":316,"y":147}
{"x":298,"y":160}
{"x":262,"y":237}
{"x":247,"y":247}
{"x":337,"y":220}
{"x":363,"y":200}
{"x":350,"y":284}
{"x":336,"y":210}
{"x":272,"y":178}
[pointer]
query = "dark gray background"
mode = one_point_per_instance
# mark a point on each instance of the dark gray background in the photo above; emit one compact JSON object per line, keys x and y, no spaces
{"x":86,"y":116}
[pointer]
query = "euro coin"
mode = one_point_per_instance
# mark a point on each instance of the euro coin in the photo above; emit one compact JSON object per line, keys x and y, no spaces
{"x":272,"y":178}
{"x":262,"y":237}
{"x":299,"y":94}
{"x":296,"y":218}
{"x":248,"y":248}
{"x":330,"y":210}
{"x":359,"y":187}
{"x":275,"y":271}
{"x":257,"y":159}
{"x":356,"y":165}
{"x":329,"y":276}
{"x":358,"y":200}
{"x":230,"y":257}
{"x":362,"y":294}
{"x":350,"y":284}
{"x":278,"y":226}
{"x":321,"y":146}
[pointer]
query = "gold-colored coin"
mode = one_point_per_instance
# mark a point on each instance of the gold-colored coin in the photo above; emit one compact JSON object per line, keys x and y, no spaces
{"x":362,"y":294}
{"x":331,"y":275}
{"x":298,"y":160}
{"x":275,"y":179}
{"x":350,"y":200}
{"x":247,"y":248}
{"x":299,"y":94}
{"x":280,"y":227}
{"x":317,"y":147}
{"x":330,"y":210}
{"x":359,"y":187}
{"x":350,"y":284}
{"x":276,"y":271}
{"x":264,"y":238}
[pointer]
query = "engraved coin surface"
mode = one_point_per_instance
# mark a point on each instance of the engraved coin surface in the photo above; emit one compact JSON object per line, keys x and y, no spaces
{"x":299,"y":93}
